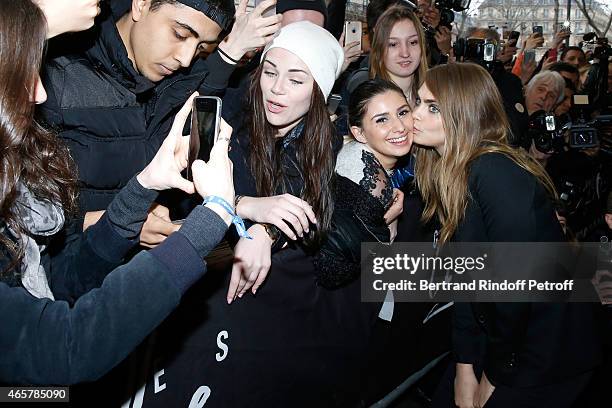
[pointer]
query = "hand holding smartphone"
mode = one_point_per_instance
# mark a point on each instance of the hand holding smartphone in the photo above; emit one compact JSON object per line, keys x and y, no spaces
{"x":352,"y":32}
{"x":528,"y":57}
{"x":513,"y":38}
{"x":205,"y":122}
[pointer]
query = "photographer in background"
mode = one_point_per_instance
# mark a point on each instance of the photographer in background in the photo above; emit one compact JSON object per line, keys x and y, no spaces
{"x":472,"y":49}
{"x":436,"y":18}
{"x":542,"y":94}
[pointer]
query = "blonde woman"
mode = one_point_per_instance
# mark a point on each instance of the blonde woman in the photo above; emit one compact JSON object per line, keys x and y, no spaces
{"x":482,"y":190}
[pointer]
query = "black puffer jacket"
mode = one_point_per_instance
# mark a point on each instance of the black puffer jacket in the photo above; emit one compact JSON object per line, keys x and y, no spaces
{"x":112,"y":118}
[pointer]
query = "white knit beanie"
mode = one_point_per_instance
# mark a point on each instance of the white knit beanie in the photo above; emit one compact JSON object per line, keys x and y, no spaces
{"x":316,"y":47}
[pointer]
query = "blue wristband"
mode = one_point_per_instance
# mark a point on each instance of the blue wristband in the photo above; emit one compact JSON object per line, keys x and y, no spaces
{"x":236,"y":220}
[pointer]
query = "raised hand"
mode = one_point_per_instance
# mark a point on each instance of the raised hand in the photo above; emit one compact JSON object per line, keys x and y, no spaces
{"x":164,"y":171}
{"x":251,"y":30}
{"x":214,"y":178}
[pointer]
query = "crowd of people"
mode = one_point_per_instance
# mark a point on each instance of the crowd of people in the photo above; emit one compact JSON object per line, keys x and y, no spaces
{"x":430,"y":143}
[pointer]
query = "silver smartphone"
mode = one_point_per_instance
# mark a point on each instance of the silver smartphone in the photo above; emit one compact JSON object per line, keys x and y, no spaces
{"x":352,"y":32}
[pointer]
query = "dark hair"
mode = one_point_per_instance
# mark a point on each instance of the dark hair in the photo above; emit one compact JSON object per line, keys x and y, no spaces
{"x":561,"y":66}
{"x":572,"y":48}
{"x":375,"y":9}
{"x":30,"y":155}
{"x":315,"y":157}
{"x":363,"y":94}
{"x":220,"y":11}
{"x":569,"y":84}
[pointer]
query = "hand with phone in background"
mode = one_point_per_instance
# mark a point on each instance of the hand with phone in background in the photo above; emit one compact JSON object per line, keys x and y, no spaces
{"x":528,"y":57}
{"x":352,"y":32}
{"x":534,"y":40}
{"x":508,"y":51}
{"x":529,"y":65}
{"x":562,"y":36}
{"x":350,"y":41}
{"x":513,"y":37}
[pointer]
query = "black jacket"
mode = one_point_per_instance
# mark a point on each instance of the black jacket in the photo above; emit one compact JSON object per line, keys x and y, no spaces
{"x":112,"y":118}
{"x":519,"y":344}
{"x":102,"y":310}
{"x":357,"y":217}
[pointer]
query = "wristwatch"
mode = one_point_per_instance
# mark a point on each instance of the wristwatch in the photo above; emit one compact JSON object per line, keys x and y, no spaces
{"x":237,"y":200}
{"x":272,"y":231}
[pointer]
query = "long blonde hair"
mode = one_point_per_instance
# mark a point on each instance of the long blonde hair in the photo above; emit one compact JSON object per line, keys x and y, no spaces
{"x":382,"y":32}
{"x":475,"y":123}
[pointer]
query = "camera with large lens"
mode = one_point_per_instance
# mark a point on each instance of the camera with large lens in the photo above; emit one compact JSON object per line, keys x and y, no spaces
{"x":483,"y":52}
{"x":446,"y":7}
{"x":599,"y":46}
{"x":546,"y":131}
{"x":549,"y":132}
{"x":585,"y":129}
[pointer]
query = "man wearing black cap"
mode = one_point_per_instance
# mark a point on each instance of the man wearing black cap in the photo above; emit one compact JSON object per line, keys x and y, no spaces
{"x":114,"y":90}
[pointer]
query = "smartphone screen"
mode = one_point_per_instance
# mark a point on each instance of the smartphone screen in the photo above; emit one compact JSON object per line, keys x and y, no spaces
{"x":538,"y":29}
{"x":205,"y":119}
{"x":513,"y":38}
{"x":528,"y":57}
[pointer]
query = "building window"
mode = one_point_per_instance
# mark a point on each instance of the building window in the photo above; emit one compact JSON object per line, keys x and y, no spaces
{"x":545,"y":13}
